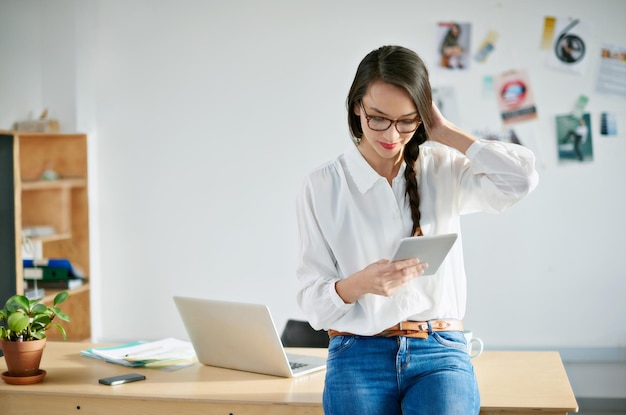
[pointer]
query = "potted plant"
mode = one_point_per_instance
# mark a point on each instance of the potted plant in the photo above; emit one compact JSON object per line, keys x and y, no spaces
{"x":23,"y":335}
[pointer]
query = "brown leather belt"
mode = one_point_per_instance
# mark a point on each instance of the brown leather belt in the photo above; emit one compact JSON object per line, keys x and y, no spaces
{"x":417,"y":329}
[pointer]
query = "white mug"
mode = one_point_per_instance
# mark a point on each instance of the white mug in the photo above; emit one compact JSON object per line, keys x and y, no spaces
{"x":475,"y":345}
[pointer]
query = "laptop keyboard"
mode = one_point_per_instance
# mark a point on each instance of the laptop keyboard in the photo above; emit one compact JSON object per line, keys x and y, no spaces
{"x":296,"y":365}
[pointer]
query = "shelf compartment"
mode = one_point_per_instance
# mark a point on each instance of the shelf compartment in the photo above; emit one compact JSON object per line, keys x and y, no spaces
{"x":48,"y":207}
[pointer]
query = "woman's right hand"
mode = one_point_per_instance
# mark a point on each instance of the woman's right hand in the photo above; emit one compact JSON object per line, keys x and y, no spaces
{"x":380,"y":278}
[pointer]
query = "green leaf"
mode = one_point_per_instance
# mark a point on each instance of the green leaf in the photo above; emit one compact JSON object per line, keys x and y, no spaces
{"x":60,"y":297}
{"x":42,"y":319}
{"x":17,"y":322}
{"x":62,"y":330}
{"x":18,"y":302}
{"x":38,"y":335}
{"x":39,"y":309}
{"x":63,"y":316}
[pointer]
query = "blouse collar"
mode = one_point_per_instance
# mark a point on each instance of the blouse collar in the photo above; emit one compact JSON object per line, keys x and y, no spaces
{"x":363,"y":174}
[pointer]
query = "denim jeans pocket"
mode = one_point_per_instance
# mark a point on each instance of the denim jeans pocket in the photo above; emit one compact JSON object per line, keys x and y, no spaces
{"x":340,"y":344}
{"x":453,"y":339}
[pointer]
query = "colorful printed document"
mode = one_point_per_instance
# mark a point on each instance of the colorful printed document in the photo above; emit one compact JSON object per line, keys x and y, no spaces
{"x":169,"y":353}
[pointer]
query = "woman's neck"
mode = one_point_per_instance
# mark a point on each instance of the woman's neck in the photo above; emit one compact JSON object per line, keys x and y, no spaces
{"x":385,"y":167}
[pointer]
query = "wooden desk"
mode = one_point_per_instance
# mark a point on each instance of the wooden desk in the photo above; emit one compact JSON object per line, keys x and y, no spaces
{"x":520,"y":383}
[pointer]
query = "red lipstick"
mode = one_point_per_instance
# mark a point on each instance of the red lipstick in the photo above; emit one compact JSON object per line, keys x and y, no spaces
{"x":388,"y":146}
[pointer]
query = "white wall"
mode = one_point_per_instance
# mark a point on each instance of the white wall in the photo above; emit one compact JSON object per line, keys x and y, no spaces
{"x":204,"y":118}
{"x":21,"y":67}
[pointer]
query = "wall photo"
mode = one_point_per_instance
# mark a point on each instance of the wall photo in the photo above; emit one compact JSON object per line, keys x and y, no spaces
{"x":515,"y":96}
{"x":454,"y":45}
{"x":574,"y":138}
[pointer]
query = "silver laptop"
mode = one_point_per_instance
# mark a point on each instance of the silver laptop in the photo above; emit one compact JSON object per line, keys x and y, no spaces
{"x":240,"y":336}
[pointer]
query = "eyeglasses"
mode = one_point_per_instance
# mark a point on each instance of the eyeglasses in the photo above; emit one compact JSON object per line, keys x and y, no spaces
{"x":383,"y":124}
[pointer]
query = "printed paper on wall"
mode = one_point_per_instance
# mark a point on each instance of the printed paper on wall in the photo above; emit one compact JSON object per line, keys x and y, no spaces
{"x":574,"y":138}
{"x":515,"y":97}
{"x":612,"y":73}
{"x":454,"y":45}
{"x":569,"y":46}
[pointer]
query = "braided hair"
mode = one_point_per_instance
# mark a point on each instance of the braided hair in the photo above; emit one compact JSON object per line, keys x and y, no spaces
{"x":401,"y":67}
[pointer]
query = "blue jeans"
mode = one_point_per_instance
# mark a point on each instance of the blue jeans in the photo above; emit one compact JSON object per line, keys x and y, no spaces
{"x":400,"y":375}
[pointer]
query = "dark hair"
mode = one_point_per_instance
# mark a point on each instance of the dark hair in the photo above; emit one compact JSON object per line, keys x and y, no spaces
{"x":403,"y":68}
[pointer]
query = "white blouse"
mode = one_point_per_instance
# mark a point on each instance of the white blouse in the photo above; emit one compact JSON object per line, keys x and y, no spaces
{"x":349,"y":217}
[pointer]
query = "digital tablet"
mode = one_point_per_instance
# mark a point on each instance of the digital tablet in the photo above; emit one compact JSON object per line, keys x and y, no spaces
{"x":430,"y":249}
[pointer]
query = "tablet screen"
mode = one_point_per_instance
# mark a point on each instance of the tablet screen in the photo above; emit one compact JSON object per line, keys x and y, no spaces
{"x":430,"y":249}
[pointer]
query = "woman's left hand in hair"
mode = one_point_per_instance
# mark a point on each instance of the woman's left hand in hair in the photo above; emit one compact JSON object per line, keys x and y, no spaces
{"x":445,"y":132}
{"x":437,"y":125}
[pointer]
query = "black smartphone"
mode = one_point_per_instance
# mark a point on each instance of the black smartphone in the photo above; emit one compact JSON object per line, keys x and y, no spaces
{"x":118,"y":380}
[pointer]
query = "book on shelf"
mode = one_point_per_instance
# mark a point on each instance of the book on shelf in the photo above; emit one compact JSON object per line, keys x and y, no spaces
{"x":52,"y":273}
{"x":68,"y":284}
{"x":168,"y":353}
{"x":57,"y":264}
{"x":46,"y":273}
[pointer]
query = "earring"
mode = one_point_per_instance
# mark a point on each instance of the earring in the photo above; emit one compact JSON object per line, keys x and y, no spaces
{"x":356,"y":140}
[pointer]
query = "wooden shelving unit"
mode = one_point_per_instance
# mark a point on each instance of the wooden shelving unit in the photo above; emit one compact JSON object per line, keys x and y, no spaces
{"x":59,"y":204}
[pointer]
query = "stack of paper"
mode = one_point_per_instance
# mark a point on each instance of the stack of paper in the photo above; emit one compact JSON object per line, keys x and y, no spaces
{"x":168,"y":353}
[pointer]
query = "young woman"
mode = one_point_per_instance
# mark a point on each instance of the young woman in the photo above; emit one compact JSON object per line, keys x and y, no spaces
{"x":397,"y":344}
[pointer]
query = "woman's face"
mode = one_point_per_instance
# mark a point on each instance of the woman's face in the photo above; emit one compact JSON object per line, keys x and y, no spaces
{"x":385,"y":101}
